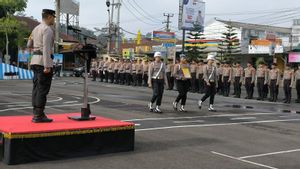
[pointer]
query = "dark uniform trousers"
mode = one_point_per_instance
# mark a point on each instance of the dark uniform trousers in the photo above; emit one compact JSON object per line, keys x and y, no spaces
{"x":237,"y":86}
{"x":122,"y":78}
{"x":220,"y":89}
{"x":117,"y":76}
{"x":139,"y":79}
{"x":94,"y":74}
{"x":265,"y":91}
{"x":201,"y":84}
{"x":183,"y":88}
{"x":158,"y":91}
{"x":41,"y":87}
{"x":101,"y":75}
{"x":298,"y":89}
{"x":111,"y":77}
{"x":210,"y":91}
{"x":260,"y":87}
{"x":273,"y":90}
{"x":128,"y":78}
{"x":287,"y":90}
{"x":170,"y":80}
{"x":145,"y":79}
{"x":249,"y":87}
{"x":193,"y":82}
{"x":226,"y":86}
{"x":134,"y":79}
{"x":106,"y":76}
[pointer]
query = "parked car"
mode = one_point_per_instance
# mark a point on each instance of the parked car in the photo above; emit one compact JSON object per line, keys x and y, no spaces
{"x":79,"y":72}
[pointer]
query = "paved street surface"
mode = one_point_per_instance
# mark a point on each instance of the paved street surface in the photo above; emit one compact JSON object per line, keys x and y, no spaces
{"x":242,"y":134}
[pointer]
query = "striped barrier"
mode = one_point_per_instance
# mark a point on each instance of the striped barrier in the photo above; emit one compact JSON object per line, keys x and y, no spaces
{"x":9,"y":72}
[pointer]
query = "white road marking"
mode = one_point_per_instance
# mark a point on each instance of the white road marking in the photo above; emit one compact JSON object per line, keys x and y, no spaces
{"x":193,"y":117}
{"x":137,"y":124}
{"x":66,"y":105}
{"x":69,"y":102}
{"x":243,"y":118}
{"x":214,"y":125}
{"x":269,"y":154}
{"x":195,"y":121}
{"x":242,"y":160}
{"x":13,"y":104}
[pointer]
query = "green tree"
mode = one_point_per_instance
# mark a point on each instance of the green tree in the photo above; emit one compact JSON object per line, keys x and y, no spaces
{"x":229,"y":44}
{"x":10,"y":7}
{"x":9,"y":26}
{"x":195,"y":48}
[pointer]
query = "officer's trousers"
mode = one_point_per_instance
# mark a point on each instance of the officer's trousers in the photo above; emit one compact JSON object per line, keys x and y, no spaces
{"x":158,"y":91}
{"x":273,"y":90}
{"x":226,"y":85}
{"x":183,"y":88}
{"x":237,"y":86}
{"x":298,"y":89}
{"x":193,"y":82}
{"x":287,"y":90}
{"x":210,"y":92}
{"x":260,"y":87}
{"x":249,"y":87}
{"x":41,"y":87}
{"x":201,"y":83}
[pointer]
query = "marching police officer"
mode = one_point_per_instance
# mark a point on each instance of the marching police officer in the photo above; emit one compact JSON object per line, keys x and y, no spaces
{"x":111,"y":66}
{"x":41,"y":42}
{"x":249,"y":80}
{"x":156,"y":79}
{"x":211,"y":80}
{"x":128,"y":72}
{"x":105,"y":69}
{"x":297,"y":80}
{"x":183,"y":82}
{"x":274,"y":78}
{"x":116,"y":71}
{"x":261,"y":80}
{"x":238,"y":79}
{"x":226,"y":78}
{"x":288,"y":79}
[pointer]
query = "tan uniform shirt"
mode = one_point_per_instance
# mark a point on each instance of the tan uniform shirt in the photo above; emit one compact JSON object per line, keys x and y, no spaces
{"x":122,"y":67}
{"x":220,"y":71}
{"x":261,"y":73}
{"x":170,"y":66}
{"x":128,"y":68}
{"x":111,"y":67}
{"x":210,"y":73}
{"x":117,"y":66}
{"x":145,"y":68}
{"x":42,"y":40}
{"x":250,"y":72}
{"x":157,"y":70}
{"x":200,"y":70}
{"x":238,"y":72}
{"x":193,"y":68}
{"x":139,"y":68}
{"x":289,"y":75}
{"x":100,"y":66}
{"x":274,"y":74}
{"x":105,"y":66}
{"x":94,"y":65}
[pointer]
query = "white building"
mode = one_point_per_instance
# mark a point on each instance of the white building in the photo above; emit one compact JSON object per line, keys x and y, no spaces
{"x":247,"y":32}
{"x":296,"y":33}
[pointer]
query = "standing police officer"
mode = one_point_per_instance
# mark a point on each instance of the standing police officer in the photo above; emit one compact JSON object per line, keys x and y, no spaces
{"x":249,"y":80}
{"x":274,"y":78}
{"x":288,"y":79}
{"x":226,"y":78}
{"x":156,"y":79}
{"x":261,"y":80}
{"x":42,"y":41}
{"x":238,"y":79}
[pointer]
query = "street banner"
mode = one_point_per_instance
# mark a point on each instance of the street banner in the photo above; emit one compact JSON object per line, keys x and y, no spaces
{"x":23,"y":56}
{"x":164,"y":37}
{"x":192,"y":15}
{"x":294,"y":57}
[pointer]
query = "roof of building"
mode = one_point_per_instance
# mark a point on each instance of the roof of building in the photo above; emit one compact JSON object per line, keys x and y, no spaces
{"x":256,"y":26}
{"x":31,"y":23}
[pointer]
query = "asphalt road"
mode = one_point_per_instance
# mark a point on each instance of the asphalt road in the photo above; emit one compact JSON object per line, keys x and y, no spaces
{"x":242,"y":134}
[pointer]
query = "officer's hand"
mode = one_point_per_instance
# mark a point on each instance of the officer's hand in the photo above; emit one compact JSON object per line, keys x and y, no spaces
{"x":150,"y":85}
{"x":207,"y":83}
{"x":47,"y":70}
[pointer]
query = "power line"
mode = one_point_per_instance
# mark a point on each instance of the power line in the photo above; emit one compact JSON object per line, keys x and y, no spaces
{"x":145,"y":12}
{"x":135,"y":14}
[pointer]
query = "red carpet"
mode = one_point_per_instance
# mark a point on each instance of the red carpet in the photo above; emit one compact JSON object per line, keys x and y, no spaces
{"x":23,"y":124}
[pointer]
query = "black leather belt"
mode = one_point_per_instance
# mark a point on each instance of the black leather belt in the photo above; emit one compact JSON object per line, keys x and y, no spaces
{"x":38,"y":52}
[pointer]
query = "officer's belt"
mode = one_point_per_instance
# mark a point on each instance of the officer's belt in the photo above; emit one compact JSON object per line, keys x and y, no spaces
{"x":37,"y":52}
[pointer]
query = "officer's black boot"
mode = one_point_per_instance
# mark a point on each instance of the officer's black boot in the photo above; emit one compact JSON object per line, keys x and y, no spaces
{"x":40,"y":117}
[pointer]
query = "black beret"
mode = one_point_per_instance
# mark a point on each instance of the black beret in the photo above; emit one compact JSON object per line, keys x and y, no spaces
{"x":49,"y":11}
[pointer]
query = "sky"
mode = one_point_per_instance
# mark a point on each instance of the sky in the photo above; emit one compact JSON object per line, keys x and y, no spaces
{"x":147,"y":15}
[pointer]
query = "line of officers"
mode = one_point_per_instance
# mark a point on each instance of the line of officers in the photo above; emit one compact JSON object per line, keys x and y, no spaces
{"x":266,"y":80}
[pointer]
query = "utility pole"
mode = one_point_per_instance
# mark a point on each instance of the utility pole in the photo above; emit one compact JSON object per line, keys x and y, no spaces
{"x":57,"y":26}
{"x":168,"y":15}
{"x":109,"y":24}
{"x":117,"y":38}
